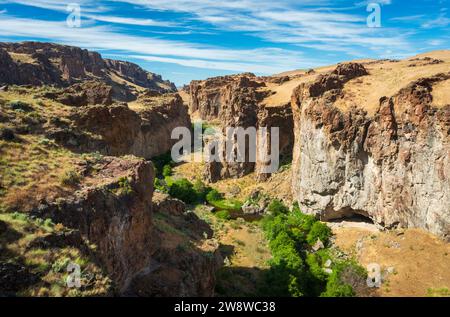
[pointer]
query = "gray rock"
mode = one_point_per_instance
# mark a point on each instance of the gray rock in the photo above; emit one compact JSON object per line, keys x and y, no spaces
{"x":392,"y":167}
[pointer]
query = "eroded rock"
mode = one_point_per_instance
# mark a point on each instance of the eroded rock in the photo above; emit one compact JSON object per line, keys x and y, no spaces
{"x":393,"y":167}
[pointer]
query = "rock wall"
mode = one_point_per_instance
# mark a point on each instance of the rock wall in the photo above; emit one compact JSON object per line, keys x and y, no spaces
{"x":236,"y":101}
{"x":120,"y":225}
{"x":393,"y":167}
{"x":119,"y":130}
{"x":119,"y":218}
{"x":179,"y":267}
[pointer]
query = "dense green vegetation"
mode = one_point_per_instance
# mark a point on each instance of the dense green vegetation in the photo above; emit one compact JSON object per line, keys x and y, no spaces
{"x":190,"y":193}
{"x":216,"y":199}
{"x":295,"y":269}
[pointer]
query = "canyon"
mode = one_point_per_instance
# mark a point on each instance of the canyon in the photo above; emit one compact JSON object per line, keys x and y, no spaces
{"x":359,"y":146}
{"x":79,"y":133}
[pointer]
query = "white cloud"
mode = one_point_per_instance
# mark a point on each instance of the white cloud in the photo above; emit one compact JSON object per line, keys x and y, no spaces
{"x":58,"y":5}
{"x":441,"y":21}
{"x":408,"y":18}
{"x":195,"y":55}
{"x":290,"y":22}
{"x":129,"y":21}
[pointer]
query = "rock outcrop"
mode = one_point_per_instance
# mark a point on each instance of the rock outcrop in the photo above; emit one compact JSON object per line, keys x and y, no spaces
{"x":119,"y":130}
{"x":237,"y":102}
{"x":116,"y":219}
{"x":212,"y":96}
{"x":37,"y":64}
{"x":84,"y":94}
{"x":392,"y":167}
{"x":115,"y":210}
{"x":179,"y":267}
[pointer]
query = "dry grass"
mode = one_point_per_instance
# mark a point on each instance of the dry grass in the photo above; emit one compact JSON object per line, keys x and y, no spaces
{"x":441,"y":94}
{"x":22,"y":58}
{"x":33,"y":167}
{"x":185,"y":96}
{"x":247,"y":254}
{"x":45,"y":271}
{"x":420,"y":260}
{"x":385,"y":79}
{"x":32,"y":170}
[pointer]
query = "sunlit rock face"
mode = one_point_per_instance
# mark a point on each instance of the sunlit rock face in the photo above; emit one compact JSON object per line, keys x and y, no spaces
{"x":393,"y":167}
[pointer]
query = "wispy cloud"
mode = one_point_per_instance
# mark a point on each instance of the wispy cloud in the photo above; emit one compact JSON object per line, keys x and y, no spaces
{"x":129,"y":21}
{"x":408,"y":18}
{"x":145,"y":48}
{"x":441,"y":21}
{"x":56,"y":5}
{"x":286,"y":22}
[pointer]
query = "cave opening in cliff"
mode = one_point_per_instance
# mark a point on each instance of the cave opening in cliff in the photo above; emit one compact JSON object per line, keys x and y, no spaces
{"x":350,"y":215}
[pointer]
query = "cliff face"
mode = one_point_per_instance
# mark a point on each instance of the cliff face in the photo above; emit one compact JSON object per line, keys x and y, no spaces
{"x":179,"y":267}
{"x":120,"y":130}
{"x":392,"y":166}
{"x":114,"y":210}
{"x":118,"y":222}
{"x":35,"y":63}
{"x":237,"y":101}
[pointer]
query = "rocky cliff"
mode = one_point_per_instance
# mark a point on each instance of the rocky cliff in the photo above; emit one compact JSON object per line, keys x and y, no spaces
{"x":35,"y":63}
{"x":390,"y":164}
{"x":143,"y":131}
{"x":237,"y":101}
{"x":114,"y":209}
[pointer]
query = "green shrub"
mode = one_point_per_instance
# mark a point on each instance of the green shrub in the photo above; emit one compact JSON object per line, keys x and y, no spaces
{"x":183,"y":190}
{"x":49,"y":223}
{"x":295,"y":272}
{"x":160,"y":185}
{"x":20,"y":105}
{"x":223,"y":214}
{"x":19,"y":216}
{"x":276,"y":207}
{"x":345,"y":275}
{"x":160,"y":162}
{"x":320,"y":231}
{"x":316,"y":262}
{"x":125,"y":188}
{"x":273,"y":226}
{"x":216,"y":199}
{"x":201,"y":190}
{"x":167,"y":170}
{"x":213,"y":196}
{"x":7,"y":134}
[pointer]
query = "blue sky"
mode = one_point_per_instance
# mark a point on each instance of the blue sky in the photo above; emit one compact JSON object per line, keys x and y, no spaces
{"x":185,"y":40}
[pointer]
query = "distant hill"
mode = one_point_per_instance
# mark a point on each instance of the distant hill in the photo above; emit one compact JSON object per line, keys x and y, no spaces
{"x":37,"y":64}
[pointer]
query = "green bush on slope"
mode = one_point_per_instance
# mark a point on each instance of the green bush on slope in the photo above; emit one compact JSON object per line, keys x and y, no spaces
{"x":294,"y":269}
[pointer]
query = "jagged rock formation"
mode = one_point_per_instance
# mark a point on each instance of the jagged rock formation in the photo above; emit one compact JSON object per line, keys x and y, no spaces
{"x":35,"y":63}
{"x":237,"y":102}
{"x":119,"y":130}
{"x":116,"y":213}
{"x":118,"y":222}
{"x":83,"y":94}
{"x":212,"y":96}
{"x":179,"y":268}
{"x":392,"y":166}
